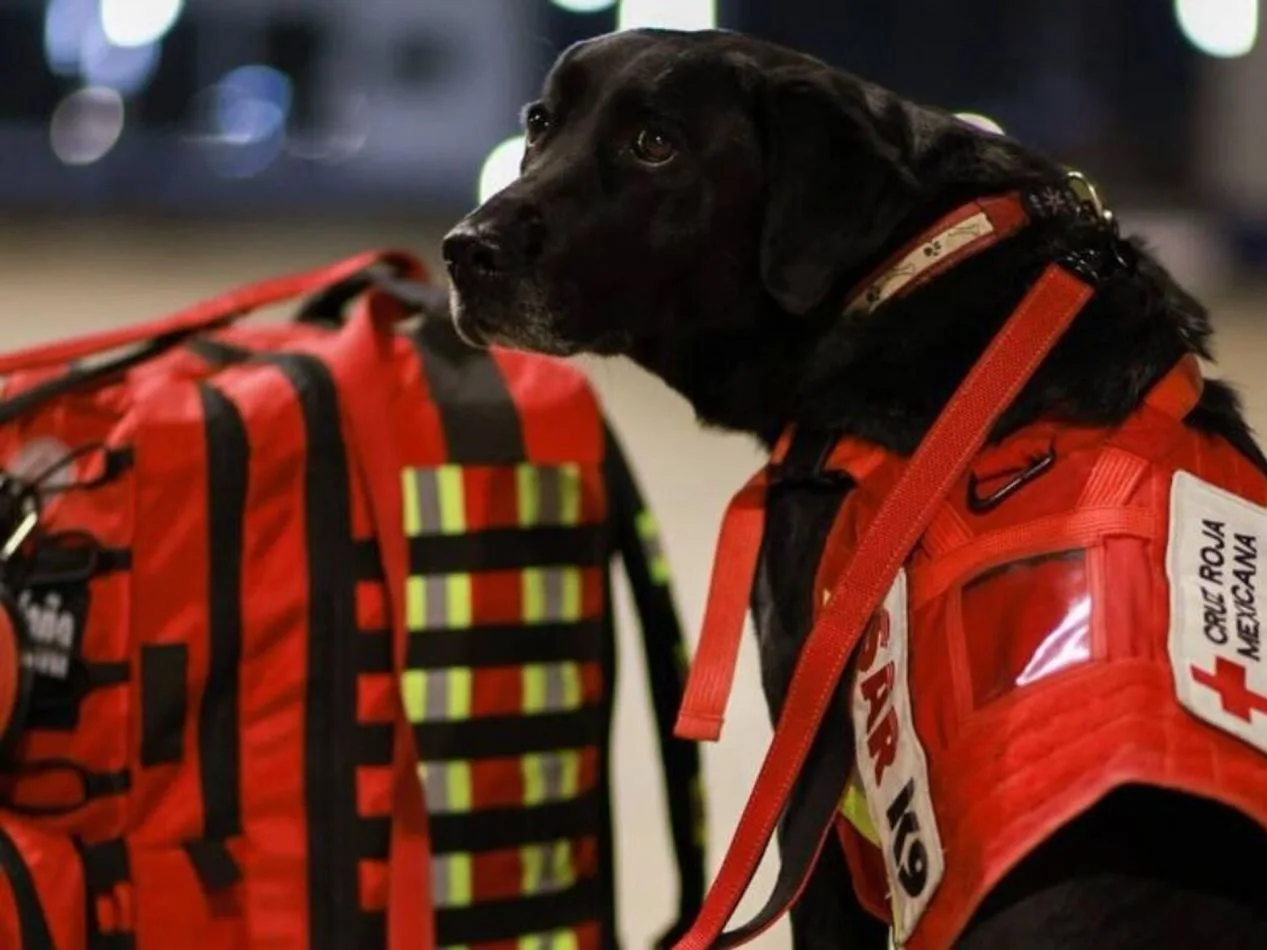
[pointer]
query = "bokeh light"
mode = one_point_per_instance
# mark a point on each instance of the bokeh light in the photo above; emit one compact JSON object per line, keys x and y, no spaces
{"x":667,"y":14}
{"x":584,"y":6}
{"x":86,"y":125}
{"x":501,"y":167}
{"x":1222,"y":28}
{"x":129,"y":23}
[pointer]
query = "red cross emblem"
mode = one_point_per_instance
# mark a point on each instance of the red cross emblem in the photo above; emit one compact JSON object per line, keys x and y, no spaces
{"x":1228,"y":680}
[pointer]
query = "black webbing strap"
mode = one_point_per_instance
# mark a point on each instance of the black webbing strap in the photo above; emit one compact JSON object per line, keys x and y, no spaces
{"x":665,"y":650}
{"x":219,"y":729}
{"x":33,"y":929}
{"x":106,"y":866}
{"x":477,"y":412}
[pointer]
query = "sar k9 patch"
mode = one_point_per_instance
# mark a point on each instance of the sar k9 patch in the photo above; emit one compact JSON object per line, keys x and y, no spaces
{"x":1217,"y":588}
{"x":892,"y":765}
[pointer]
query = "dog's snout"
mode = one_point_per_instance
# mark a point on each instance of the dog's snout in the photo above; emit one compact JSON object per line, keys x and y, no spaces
{"x":473,"y":250}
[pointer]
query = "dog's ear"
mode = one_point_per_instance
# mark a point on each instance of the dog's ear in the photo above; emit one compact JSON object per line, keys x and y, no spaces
{"x":835,"y":187}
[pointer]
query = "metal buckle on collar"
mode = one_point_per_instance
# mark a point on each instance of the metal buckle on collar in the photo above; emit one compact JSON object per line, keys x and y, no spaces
{"x":1089,"y":196}
{"x":1107,"y":250}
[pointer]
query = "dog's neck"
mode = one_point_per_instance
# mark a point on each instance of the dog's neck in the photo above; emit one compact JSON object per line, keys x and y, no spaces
{"x":885,"y":377}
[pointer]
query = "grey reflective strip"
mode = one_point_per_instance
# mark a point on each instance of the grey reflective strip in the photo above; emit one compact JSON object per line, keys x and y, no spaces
{"x":552,"y":594}
{"x":437,"y":789}
{"x":427,"y":487}
{"x":549,"y":495}
{"x":553,"y":776}
{"x":556,"y":686}
{"x":437,"y":694}
{"x":437,"y":601}
{"x":440,"y":880}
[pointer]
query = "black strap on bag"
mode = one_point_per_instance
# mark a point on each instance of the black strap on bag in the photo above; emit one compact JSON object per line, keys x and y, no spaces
{"x":665,"y":650}
{"x":32,"y":924}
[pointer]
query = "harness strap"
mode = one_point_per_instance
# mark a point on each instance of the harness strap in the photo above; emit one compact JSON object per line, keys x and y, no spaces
{"x":942,"y":457}
{"x":712,"y":674}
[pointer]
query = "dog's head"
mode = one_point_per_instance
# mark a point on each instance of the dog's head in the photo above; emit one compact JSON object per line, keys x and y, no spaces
{"x":682,"y":183}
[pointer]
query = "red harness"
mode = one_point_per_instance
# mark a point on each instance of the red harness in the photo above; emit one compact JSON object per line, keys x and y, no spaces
{"x":923,"y":532}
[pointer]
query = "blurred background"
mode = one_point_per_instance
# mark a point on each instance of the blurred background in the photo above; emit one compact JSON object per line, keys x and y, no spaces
{"x":156,"y":151}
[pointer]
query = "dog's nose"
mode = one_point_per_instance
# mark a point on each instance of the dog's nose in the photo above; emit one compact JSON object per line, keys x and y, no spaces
{"x":473,"y":251}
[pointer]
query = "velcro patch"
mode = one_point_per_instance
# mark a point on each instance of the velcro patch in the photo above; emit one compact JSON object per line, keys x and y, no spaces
{"x":892,"y":765}
{"x":1217,"y":587}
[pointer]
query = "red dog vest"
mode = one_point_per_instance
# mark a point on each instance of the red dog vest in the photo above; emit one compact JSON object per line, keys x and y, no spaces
{"x":1097,"y":627}
{"x":1068,"y":611}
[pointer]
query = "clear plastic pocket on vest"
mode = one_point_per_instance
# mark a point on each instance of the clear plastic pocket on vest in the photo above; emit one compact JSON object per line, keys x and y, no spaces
{"x":1025,"y":621}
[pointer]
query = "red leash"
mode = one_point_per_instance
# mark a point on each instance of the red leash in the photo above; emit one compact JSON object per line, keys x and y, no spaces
{"x":941,"y":459}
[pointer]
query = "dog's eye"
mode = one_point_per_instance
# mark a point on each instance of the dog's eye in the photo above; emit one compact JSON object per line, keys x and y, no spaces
{"x":653,"y":146}
{"x":536,"y":124}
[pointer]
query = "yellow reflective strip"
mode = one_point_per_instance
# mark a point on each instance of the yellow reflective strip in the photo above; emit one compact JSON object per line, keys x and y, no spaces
{"x":413,"y":689}
{"x":569,"y":494}
{"x":460,"y":680}
{"x":458,"y":595}
{"x":534,"y":779}
{"x":571,"y":774}
{"x":409,"y":495}
{"x":459,"y":871}
{"x":854,"y":808}
{"x":649,"y":533}
{"x":534,"y":597}
{"x":452,"y":499}
{"x":532,"y":859}
{"x":415,"y":603}
{"x":564,"y":866}
{"x":572,"y":687}
{"x":528,"y":492}
{"x":457,"y":779}
{"x":535,"y":687}
{"x":554,"y":940}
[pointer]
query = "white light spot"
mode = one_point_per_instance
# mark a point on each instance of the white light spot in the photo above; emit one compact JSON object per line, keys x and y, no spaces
{"x":138,"y":22}
{"x":667,"y":14}
{"x":584,"y":6}
{"x":86,"y":125}
{"x":982,"y":122}
{"x":1223,"y":28}
{"x":501,"y":167}
{"x":125,"y":69}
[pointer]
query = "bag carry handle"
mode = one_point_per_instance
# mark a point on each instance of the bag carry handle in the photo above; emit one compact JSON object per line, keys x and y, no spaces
{"x":213,"y":313}
{"x":412,"y":291}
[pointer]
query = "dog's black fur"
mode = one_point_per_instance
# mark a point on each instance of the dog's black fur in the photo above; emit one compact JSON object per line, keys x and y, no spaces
{"x":723,"y":268}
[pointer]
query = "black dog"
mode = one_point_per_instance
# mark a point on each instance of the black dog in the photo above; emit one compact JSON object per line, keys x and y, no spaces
{"x":702,"y":203}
